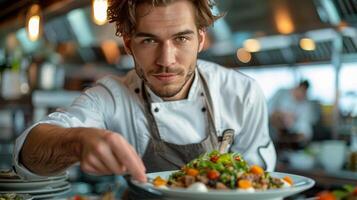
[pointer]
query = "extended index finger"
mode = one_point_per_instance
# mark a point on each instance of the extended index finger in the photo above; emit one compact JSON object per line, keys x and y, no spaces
{"x":130,"y":159}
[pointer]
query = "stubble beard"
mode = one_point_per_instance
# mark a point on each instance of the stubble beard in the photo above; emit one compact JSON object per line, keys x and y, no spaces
{"x":167,"y":91}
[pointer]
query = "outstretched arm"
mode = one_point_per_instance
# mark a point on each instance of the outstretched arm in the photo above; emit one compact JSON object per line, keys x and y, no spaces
{"x":50,"y":149}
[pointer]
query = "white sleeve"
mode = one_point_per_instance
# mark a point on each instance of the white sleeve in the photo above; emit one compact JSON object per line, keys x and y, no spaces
{"x":86,"y":111}
{"x":254,"y":141}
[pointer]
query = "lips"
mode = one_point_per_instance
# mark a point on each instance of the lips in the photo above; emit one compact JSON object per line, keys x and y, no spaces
{"x":165,"y":77}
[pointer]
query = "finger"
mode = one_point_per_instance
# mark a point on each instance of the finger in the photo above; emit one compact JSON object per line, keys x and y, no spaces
{"x":138,"y":158}
{"x":116,"y":139}
{"x":88,"y":168}
{"x":123,"y":169}
{"x":129,"y":158}
{"x":108,"y":159}
{"x":134,"y":165}
{"x":97,"y":164}
{"x":132,"y":150}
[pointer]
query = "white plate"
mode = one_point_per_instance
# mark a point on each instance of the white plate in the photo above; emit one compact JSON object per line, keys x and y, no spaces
{"x":48,"y":189}
{"x":31,"y":185}
{"x":300,"y":184}
{"x":18,"y":180}
{"x":50,"y":195}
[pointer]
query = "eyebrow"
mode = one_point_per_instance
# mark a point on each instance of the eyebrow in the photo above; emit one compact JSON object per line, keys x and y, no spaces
{"x":143,"y":34}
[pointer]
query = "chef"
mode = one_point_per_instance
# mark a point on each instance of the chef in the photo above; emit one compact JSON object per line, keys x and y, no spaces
{"x":167,"y":111}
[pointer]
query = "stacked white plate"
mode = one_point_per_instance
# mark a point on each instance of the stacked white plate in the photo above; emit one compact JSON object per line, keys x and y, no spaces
{"x":46,"y":188}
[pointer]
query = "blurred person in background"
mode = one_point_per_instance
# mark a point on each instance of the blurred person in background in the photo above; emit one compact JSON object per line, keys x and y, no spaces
{"x":292,"y":116}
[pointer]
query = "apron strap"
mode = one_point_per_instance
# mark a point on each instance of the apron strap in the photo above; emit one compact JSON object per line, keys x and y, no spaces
{"x":154,"y":130}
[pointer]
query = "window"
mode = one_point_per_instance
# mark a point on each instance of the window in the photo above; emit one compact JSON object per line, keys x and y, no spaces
{"x":321,"y":78}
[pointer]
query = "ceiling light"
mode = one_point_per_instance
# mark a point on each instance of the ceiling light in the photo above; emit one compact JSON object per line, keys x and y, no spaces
{"x":252,"y":45}
{"x":243,"y":55}
{"x":307,"y":44}
{"x":99,"y":8}
{"x":33,"y":22}
{"x":283,"y":20}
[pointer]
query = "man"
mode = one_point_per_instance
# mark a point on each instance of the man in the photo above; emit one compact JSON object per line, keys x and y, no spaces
{"x":164,"y":113}
{"x":292,"y":116}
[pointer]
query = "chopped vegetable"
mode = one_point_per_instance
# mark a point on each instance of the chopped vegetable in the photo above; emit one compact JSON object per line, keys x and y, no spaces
{"x":79,"y":197}
{"x":192,"y":172}
{"x":214,"y":158}
{"x":222,"y":172}
{"x":289,"y":180}
{"x":213,"y":174}
{"x":244,"y":184}
{"x":255,"y":169}
{"x":355,"y":192}
{"x":238,"y":158}
{"x":326,"y":195}
{"x":158,"y":181}
{"x":10,"y":196}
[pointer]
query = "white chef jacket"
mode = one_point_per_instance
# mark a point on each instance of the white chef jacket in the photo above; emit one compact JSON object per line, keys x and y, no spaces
{"x":303,"y":111}
{"x":115,"y":104}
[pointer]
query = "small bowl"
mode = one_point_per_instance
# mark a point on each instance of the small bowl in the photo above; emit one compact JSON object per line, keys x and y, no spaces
{"x":301,"y":160}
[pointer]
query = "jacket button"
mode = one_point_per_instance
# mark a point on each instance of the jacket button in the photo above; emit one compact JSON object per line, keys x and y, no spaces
{"x":156,"y":109}
{"x":203,"y":109}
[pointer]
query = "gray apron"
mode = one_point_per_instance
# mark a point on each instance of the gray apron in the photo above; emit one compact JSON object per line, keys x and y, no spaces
{"x":163,"y":156}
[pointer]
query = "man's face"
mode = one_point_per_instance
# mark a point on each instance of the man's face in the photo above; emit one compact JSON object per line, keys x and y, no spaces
{"x":300,"y":93}
{"x":164,"y":46}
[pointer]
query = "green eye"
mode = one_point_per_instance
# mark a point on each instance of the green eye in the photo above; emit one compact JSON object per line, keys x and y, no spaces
{"x":148,"y":41}
{"x":181,"y":39}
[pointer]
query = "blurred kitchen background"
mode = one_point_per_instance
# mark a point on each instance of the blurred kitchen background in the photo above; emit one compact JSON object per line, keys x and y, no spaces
{"x":51,"y":50}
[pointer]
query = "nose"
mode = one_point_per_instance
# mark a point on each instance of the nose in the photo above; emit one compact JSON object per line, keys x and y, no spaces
{"x":167,"y":55}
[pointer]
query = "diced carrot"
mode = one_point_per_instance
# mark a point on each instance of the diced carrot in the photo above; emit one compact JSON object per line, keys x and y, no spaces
{"x":158,"y":181}
{"x":244,"y":184}
{"x":289,"y":180}
{"x":326,"y":195}
{"x":192,"y":172}
{"x":255,"y":169}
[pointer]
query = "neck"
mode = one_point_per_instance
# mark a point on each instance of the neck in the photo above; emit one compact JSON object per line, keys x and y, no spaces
{"x":183,"y":92}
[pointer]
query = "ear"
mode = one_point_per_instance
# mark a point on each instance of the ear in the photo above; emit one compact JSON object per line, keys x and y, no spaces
{"x":201,"y":39}
{"x":127,"y":47}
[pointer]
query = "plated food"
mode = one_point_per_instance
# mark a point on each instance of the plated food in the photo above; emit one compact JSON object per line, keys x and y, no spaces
{"x":8,"y":174}
{"x":12,"y":196}
{"x":235,"y":180}
{"x":228,"y":171}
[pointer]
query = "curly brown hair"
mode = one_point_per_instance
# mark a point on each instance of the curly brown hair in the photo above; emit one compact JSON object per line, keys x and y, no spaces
{"x":122,"y":12}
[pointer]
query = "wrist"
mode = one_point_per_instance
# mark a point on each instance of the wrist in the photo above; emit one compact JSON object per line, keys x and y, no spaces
{"x":75,"y":141}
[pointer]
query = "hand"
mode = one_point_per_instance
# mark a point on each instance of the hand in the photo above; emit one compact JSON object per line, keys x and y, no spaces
{"x":277,"y":120}
{"x":104,"y":152}
{"x":289,"y":119}
{"x":282,"y":120}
